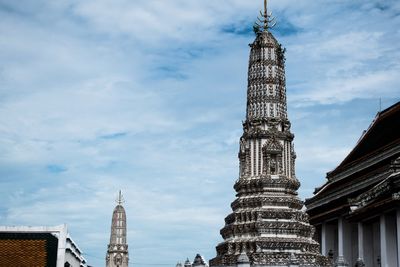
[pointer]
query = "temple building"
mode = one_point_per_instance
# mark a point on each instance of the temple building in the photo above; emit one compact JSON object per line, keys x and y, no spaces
{"x":117,"y":251}
{"x":356,"y":212}
{"x":267,"y":226}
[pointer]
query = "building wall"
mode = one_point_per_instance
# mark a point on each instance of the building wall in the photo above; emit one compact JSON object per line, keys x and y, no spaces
{"x":27,"y":249}
{"x":38,"y":246}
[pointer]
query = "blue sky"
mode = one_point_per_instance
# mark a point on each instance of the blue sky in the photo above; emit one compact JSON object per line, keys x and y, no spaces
{"x":148,"y":97}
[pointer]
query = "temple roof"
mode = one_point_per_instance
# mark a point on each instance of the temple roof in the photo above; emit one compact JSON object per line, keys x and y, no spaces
{"x":382,"y":133}
{"x":372,"y":160}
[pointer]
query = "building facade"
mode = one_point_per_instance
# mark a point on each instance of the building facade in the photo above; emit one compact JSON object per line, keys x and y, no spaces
{"x":356,"y":212}
{"x":117,"y":250}
{"x":267,"y":226}
{"x":39,"y":247}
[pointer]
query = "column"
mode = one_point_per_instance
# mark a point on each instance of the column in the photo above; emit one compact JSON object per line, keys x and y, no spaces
{"x":323,"y":239}
{"x":340,"y":260}
{"x":349,"y":239}
{"x":382,"y":223}
{"x":62,"y":243}
{"x":360,"y":259}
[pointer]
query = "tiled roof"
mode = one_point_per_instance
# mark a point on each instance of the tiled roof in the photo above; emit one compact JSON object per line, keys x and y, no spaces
{"x":383,"y":131}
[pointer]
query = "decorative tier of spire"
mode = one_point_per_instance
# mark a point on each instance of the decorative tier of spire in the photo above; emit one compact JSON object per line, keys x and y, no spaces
{"x":267,"y":226}
{"x":117,"y":251}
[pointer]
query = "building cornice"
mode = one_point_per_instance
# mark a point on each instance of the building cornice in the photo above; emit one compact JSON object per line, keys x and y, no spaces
{"x":313,"y":203}
{"x":387,"y":153}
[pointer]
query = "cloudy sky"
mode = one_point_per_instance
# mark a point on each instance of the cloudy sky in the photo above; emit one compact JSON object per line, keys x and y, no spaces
{"x":147,"y":96}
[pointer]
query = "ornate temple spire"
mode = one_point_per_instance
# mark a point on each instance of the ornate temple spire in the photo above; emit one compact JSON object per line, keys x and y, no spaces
{"x":117,"y":251}
{"x":267,"y":223}
{"x":267,"y":20}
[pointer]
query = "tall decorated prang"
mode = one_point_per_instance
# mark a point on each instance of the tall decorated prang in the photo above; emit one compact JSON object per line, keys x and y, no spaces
{"x":117,"y":251}
{"x":267,"y":226}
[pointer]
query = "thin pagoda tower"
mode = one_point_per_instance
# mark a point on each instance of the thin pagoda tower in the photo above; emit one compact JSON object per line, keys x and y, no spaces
{"x":267,"y":226}
{"x":117,"y":250}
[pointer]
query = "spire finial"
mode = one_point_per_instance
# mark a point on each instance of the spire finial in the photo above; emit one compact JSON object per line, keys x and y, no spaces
{"x":265,"y":14}
{"x":120,"y":199}
{"x":266,"y":20}
{"x":265,"y":7}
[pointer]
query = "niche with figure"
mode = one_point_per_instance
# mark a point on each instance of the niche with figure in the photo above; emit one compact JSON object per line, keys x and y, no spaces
{"x":272,"y":155}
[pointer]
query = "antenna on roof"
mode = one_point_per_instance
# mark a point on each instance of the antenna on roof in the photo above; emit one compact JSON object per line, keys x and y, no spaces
{"x":380,"y":104}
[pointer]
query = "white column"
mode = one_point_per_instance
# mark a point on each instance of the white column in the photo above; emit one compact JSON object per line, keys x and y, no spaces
{"x":360,"y":242}
{"x":62,"y":243}
{"x":341,"y":260}
{"x":323,"y":240}
{"x":384,"y":258}
{"x":340,"y":237}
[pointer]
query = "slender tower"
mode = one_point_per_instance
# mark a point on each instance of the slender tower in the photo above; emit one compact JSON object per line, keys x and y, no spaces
{"x":117,"y":251}
{"x":267,"y":226}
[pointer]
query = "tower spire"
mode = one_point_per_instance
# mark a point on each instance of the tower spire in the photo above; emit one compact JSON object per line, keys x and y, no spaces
{"x":117,"y":250}
{"x":267,"y":226}
{"x":267,"y":20}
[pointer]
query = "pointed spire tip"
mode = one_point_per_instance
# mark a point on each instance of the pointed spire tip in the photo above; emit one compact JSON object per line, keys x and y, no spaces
{"x":120,"y":199}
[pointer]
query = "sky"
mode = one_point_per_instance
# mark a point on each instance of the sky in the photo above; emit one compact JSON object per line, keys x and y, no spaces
{"x":148,"y":96}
